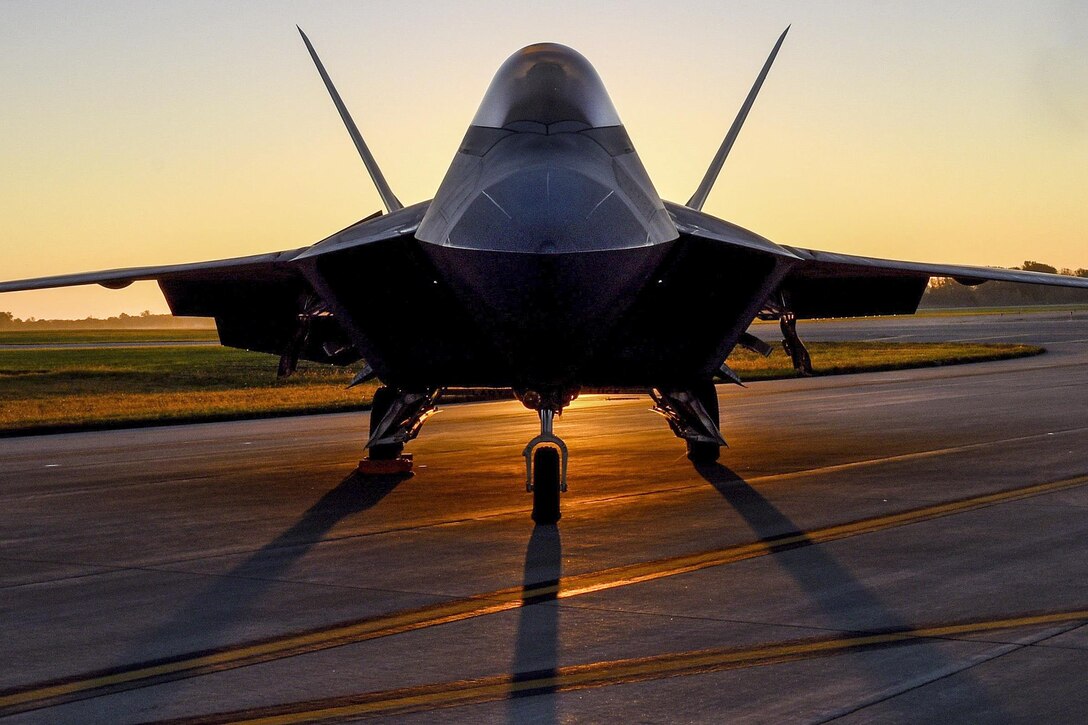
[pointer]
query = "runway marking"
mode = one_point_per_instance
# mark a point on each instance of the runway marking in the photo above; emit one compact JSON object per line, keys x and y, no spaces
{"x":164,"y":564}
{"x":187,"y":665}
{"x":607,"y":673}
{"x":904,"y":457}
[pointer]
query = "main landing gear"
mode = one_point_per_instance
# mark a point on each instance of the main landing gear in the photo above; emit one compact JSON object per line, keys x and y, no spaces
{"x":791,"y":342}
{"x":793,"y":345}
{"x":546,"y":455}
{"x":395,"y":418}
{"x":692,"y":414}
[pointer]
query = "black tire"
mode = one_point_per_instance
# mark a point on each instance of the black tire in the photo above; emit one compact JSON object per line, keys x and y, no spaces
{"x":546,"y":486}
{"x":383,"y":399}
{"x":703,"y":452}
{"x":385,"y":453}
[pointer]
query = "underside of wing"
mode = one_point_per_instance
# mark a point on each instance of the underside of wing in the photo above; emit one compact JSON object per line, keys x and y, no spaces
{"x":828,"y":284}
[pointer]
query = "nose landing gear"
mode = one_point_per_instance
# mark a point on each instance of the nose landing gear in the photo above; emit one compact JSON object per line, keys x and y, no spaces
{"x":546,"y":470}
{"x":546,"y":455}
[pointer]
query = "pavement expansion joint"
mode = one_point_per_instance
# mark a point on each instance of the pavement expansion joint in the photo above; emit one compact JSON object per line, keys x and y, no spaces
{"x":624,"y":671}
{"x":1004,"y":649}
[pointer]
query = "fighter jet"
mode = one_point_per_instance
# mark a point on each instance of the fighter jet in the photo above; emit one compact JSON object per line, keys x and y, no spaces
{"x":546,"y":263}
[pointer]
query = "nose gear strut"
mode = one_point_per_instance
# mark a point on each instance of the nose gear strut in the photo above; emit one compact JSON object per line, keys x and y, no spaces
{"x":546,"y":455}
{"x":547,"y":416}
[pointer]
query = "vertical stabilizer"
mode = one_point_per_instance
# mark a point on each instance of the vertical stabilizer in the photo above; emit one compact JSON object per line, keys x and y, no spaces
{"x":392,"y":203}
{"x":699,"y":197}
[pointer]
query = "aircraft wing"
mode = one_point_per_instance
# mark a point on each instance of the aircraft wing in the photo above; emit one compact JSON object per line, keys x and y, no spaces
{"x":263,"y":302}
{"x":697,"y":224}
{"x":256,"y":300}
{"x":828,"y":284}
{"x":269,"y":267}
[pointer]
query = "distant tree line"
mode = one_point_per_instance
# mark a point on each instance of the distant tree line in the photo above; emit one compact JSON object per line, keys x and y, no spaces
{"x":944,"y":292}
{"x":143,"y":321}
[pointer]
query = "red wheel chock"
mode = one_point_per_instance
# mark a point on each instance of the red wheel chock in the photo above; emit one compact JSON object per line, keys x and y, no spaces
{"x":387,"y":466}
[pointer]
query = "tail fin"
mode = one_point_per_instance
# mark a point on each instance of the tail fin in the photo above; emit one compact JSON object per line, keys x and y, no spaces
{"x":699,"y":197}
{"x":392,"y":203}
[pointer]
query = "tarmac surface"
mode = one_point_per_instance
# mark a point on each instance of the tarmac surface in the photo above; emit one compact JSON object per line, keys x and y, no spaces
{"x":889,"y":547}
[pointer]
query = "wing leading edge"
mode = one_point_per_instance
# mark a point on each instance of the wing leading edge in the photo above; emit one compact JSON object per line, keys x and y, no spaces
{"x":828,"y":284}
{"x":833,"y":264}
{"x":271,"y":266}
{"x":265,"y":302}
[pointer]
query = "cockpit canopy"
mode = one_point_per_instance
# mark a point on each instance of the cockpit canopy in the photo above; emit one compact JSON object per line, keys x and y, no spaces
{"x":546,"y":83}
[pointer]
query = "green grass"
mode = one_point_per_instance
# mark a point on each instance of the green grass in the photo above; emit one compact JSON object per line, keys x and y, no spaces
{"x":948,"y":312}
{"x":838,"y":358}
{"x":1012,"y":310}
{"x":62,"y":388}
{"x":53,"y":337}
{"x":68,"y":389}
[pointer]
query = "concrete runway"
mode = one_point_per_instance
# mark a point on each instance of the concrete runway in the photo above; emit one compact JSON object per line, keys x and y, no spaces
{"x":906,"y":546}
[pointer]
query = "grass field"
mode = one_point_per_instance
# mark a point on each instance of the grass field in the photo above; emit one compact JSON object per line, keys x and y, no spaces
{"x":61,"y":388}
{"x":72,"y":337}
{"x":953,"y":312}
{"x":838,"y":358}
{"x":67,"y":389}
{"x":1013,"y":310}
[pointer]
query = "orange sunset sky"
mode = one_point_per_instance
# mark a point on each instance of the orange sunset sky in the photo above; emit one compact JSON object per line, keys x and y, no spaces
{"x":139,"y":133}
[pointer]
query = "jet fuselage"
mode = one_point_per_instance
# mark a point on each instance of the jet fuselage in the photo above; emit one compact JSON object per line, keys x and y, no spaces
{"x":550,"y":260}
{"x":547,"y":224}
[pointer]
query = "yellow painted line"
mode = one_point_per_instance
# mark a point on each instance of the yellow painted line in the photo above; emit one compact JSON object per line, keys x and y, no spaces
{"x":201,"y":663}
{"x":637,"y":573}
{"x":602,"y":674}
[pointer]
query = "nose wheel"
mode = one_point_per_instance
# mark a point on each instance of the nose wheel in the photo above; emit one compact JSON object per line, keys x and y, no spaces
{"x":546,"y":470}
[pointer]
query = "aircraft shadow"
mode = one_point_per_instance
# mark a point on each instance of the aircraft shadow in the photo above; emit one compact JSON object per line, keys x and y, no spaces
{"x":830,"y":586}
{"x":537,"y":640}
{"x":234,"y":598}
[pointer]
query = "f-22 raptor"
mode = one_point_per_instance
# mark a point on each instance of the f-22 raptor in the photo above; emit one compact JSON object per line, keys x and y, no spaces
{"x":546,"y":263}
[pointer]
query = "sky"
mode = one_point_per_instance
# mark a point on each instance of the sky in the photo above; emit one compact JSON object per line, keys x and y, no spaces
{"x":142,"y":133}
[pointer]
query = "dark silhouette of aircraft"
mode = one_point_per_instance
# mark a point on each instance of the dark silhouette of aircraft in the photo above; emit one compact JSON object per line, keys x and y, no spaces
{"x":545,"y":263}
